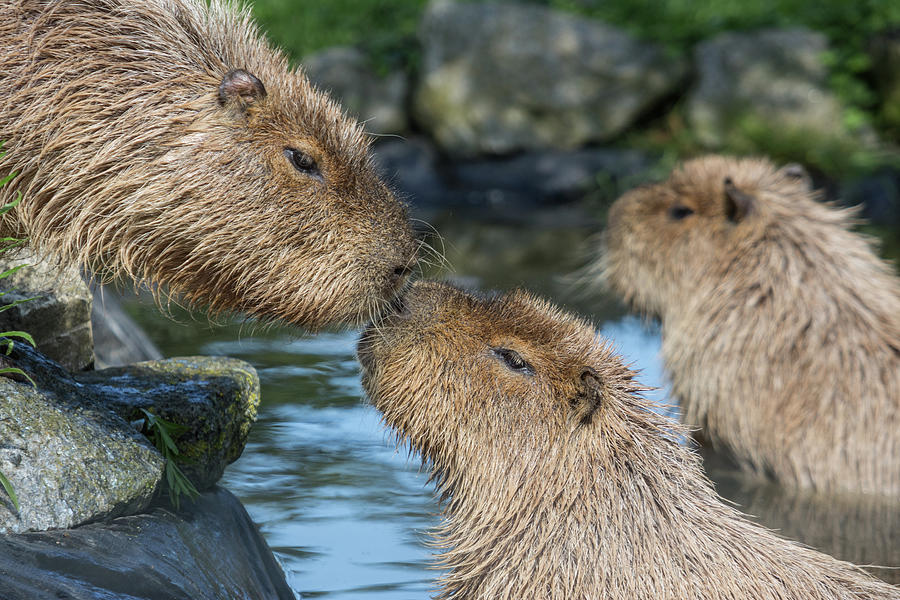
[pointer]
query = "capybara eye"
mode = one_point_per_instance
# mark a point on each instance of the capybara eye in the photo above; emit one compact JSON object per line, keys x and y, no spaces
{"x":678,"y":212}
{"x":513,"y":360}
{"x":303,"y":162}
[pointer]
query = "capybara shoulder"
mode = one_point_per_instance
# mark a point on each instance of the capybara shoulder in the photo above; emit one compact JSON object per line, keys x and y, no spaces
{"x":559,"y":481}
{"x":167,"y":141}
{"x":781,"y":327}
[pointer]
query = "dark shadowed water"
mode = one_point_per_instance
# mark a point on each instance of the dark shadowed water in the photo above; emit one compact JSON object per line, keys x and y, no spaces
{"x":347,"y":512}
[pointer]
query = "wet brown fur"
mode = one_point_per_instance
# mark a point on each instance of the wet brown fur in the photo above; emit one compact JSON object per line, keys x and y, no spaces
{"x":131,"y":161}
{"x":781,"y":327}
{"x":563,"y":484}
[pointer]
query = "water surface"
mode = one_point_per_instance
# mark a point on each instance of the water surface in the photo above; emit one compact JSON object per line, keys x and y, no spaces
{"x":347,"y":512}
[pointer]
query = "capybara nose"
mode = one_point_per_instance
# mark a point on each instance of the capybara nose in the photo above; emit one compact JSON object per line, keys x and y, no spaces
{"x":400,"y":274}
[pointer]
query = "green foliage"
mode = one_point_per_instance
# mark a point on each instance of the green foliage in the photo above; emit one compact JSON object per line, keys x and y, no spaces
{"x":9,"y":491}
{"x":163,"y":433}
{"x":6,"y":344}
{"x":385,"y":29}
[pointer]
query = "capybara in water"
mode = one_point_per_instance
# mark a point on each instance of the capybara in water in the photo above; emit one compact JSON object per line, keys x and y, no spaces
{"x":167,"y":141}
{"x":780,"y":326}
{"x":559,"y":481}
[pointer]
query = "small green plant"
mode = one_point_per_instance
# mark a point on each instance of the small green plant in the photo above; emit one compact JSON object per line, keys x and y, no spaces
{"x":163,"y":434}
{"x":6,"y":343}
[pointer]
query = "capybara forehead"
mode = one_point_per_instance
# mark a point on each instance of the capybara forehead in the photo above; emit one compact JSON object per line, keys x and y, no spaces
{"x":515,"y":318}
{"x":300,"y":113}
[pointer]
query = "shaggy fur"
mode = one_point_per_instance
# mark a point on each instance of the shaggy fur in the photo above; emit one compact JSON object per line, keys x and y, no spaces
{"x":781,"y":327}
{"x":559,"y":481}
{"x":138,"y":156}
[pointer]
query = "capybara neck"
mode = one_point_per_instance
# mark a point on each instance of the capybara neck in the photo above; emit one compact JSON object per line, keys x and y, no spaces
{"x":166,"y":141}
{"x":781,"y":327}
{"x":558,"y":479}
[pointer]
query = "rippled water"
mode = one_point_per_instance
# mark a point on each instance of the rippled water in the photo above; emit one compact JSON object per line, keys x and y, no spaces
{"x":347,"y":512}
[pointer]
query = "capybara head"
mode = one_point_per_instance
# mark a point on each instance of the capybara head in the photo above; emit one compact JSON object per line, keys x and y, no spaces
{"x":165,"y":140}
{"x":559,"y":480}
{"x":475,"y":382}
{"x":663,"y":240}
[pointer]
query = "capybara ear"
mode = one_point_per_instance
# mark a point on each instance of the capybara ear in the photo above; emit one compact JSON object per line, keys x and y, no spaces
{"x":738,"y":204}
{"x":589,"y":397}
{"x":796,"y":172}
{"x":240,"y":89}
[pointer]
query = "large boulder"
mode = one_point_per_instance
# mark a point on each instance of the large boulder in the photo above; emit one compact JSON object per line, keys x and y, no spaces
{"x":760,"y":84}
{"x":58,"y":317}
{"x":209,"y":550}
{"x":69,"y":460}
{"x":497,"y":78}
{"x":214,"y":398}
{"x":346,"y":73}
{"x":885,"y":52}
{"x":71,"y":449}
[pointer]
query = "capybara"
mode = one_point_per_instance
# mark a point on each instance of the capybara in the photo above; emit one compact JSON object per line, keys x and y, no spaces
{"x":780,"y":325}
{"x":167,"y":141}
{"x":558,"y":480}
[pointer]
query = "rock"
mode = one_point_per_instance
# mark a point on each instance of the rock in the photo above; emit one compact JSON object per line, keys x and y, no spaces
{"x":210,"y":550}
{"x":118,"y":340}
{"x":410,"y":166}
{"x":59,"y":318}
{"x":497,"y":78}
{"x":70,"y":461}
{"x":879,"y":195}
{"x":769,"y":82}
{"x":885,"y":52}
{"x":72,"y":454}
{"x":216,"y":398}
{"x":379,"y":102}
{"x":505,"y":184}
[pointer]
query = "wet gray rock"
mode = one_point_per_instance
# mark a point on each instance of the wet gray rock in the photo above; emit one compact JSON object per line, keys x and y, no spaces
{"x":506,"y":184}
{"x":498,"y":78}
{"x":59,"y":317}
{"x":346,"y":73}
{"x":118,"y":340}
{"x":885,"y":52}
{"x":770,"y":80}
{"x":72,"y":454}
{"x":209,"y":550}
{"x":216,"y":398}
{"x":70,"y":461}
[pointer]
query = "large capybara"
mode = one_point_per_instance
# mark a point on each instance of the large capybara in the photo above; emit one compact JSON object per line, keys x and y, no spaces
{"x":559,"y":481}
{"x":167,"y":141}
{"x":780,"y":325}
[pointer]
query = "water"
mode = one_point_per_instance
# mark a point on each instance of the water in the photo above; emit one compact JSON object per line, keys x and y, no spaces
{"x":347,"y":512}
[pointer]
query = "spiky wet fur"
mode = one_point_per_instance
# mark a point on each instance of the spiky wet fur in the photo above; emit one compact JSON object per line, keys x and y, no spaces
{"x":129,"y":165}
{"x":781,"y":332}
{"x":555,"y":490}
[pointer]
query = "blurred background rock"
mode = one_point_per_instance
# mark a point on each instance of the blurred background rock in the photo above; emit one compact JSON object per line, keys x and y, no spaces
{"x":583,"y":87}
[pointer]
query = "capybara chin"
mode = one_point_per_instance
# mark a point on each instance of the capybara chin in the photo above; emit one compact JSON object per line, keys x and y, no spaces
{"x":559,"y":481}
{"x":166,"y":140}
{"x":780,"y":325}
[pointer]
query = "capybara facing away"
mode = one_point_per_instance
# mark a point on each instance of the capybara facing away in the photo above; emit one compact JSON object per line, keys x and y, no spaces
{"x":558,"y":480}
{"x":780,"y":326}
{"x":167,"y":141}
